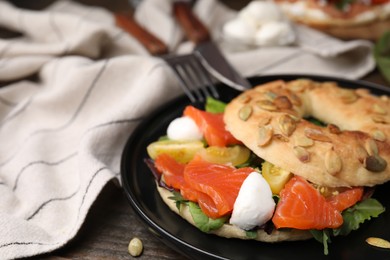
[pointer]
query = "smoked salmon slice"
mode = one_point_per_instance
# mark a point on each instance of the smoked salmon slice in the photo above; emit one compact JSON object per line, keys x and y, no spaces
{"x":346,"y":198}
{"x":221,"y":183}
{"x":301,"y":206}
{"x":171,"y":170}
{"x":173,"y":173}
{"x":213,"y":186}
{"x":212,"y":127}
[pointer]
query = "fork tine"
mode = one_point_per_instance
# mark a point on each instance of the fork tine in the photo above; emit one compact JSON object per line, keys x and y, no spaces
{"x":178,"y":71}
{"x":205,"y":78}
{"x":194,"y":79}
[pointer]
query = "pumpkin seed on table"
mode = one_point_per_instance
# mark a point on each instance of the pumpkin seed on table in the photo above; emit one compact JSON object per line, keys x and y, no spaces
{"x":135,"y":247}
{"x":378,"y":242}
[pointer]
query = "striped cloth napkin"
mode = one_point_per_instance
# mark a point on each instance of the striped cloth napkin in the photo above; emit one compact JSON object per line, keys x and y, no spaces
{"x":76,"y":88}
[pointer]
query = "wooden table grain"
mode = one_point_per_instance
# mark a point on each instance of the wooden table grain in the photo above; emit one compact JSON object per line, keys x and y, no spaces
{"x":111,"y":222}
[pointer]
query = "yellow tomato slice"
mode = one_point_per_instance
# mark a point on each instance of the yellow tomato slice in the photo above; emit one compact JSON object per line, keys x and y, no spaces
{"x":234,"y":155}
{"x":275,"y":176}
{"x":181,"y":151}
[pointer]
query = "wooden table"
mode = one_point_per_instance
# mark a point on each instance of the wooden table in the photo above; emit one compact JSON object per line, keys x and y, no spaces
{"x":111,"y":222}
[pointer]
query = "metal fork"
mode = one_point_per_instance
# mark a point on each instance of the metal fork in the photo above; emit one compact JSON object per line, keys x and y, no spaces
{"x":195,"y":80}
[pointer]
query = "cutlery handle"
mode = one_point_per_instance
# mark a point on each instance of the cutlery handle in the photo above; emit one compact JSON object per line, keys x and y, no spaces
{"x":154,"y":45}
{"x":194,"y":29}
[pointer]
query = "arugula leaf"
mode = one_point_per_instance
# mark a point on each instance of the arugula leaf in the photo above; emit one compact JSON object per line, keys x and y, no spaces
{"x":254,"y":161}
{"x":353,"y":217}
{"x":203,"y":222}
{"x":316,"y":121}
{"x":214,"y":106}
{"x":382,"y":55}
{"x":163,"y":138}
{"x":322,"y":236}
{"x":178,"y":198}
{"x":356,"y":215}
{"x":252,"y":234}
{"x":342,"y":4}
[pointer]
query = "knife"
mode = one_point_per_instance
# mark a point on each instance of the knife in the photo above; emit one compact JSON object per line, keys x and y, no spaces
{"x":153,"y":44}
{"x":209,"y":54}
{"x":181,"y":64}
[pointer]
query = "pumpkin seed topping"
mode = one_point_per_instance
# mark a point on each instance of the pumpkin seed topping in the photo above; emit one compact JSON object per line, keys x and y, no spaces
{"x":379,"y":109}
{"x":380,"y":119}
{"x":281,"y":137}
{"x":371,"y":147}
{"x":266,"y":105}
{"x":287,"y":124}
{"x":299,"y":85}
{"x":245,"y":112}
{"x":302,"y":154}
{"x":333,"y":129}
{"x":302,"y":140}
{"x":362,"y":92}
{"x":333,"y":162}
{"x":317,"y":135}
{"x":378,"y":135}
{"x":384,"y":98}
{"x":271,"y":96}
{"x":361,"y":153}
{"x":283,"y":102}
{"x":265,"y":135}
{"x":295,"y":100}
{"x":374,"y":163}
{"x":347,"y":96}
{"x":264,"y":121}
{"x":244,"y":98}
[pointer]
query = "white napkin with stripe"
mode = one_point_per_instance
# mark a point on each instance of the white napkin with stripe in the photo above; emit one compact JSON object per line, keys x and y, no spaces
{"x":76,"y":88}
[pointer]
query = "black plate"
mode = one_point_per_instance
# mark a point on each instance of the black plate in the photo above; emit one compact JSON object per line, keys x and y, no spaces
{"x":140,"y":189}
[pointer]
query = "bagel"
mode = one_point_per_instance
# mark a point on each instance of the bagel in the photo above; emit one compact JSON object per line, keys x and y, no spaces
{"x":316,"y":163}
{"x":352,"y":150}
{"x":355,"y":19}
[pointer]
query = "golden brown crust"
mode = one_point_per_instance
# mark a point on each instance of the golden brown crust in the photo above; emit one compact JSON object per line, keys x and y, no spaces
{"x":353,"y":150}
{"x":358,"y":20}
{"x":230,"y":231}
{"x":371,"y":31}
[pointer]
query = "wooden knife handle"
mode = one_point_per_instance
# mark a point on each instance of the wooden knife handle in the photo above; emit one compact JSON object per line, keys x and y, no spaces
{"x":194,"y":29}
{"x":153,"y":44}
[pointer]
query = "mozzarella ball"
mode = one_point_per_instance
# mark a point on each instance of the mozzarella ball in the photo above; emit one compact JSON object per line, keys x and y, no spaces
{"x":184,"y":129}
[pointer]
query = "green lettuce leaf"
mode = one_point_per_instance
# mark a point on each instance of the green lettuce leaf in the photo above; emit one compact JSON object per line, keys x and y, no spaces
{"x":382,"y":55}
{"x":252,"y":234}
{"x":203,"y":222}
{"x":356,"y":215}
{"x":178,"y":198}
{"x":214,"y":105}
{"x":353,"y":217}
{"x":322,"y":236}
{"x":342,"y":4}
